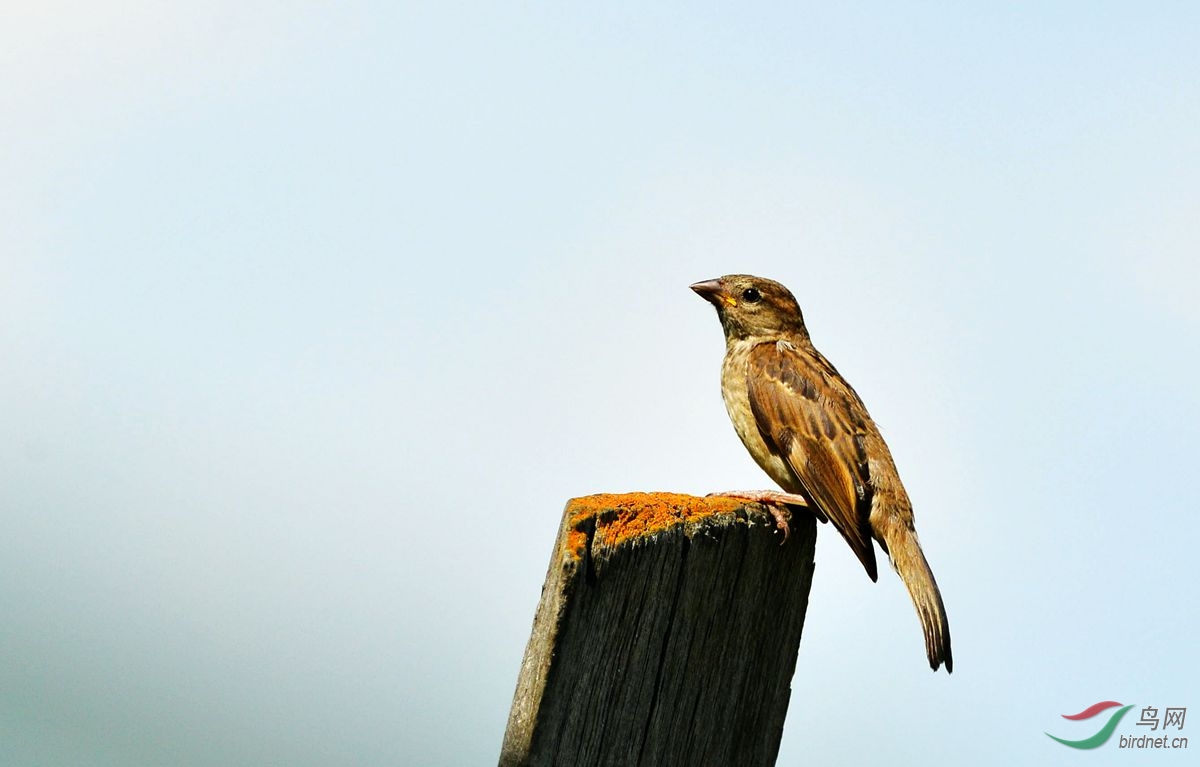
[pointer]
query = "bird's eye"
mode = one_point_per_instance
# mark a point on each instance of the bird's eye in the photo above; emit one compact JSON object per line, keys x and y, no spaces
{"x":751,"y":295}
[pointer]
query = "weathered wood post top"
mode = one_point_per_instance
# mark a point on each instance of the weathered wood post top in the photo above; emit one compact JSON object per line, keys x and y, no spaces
{"x":667,"y":634}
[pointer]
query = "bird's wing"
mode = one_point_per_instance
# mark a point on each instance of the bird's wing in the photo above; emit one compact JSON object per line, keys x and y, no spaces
{"x":805,"y":412}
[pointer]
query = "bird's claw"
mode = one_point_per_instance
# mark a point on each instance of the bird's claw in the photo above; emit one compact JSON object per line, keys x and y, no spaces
{"x":781,"y":520}
{"x":775,"y":502}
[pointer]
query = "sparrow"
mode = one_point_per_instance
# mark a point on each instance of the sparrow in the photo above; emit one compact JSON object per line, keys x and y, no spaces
{"x":810,"y":432}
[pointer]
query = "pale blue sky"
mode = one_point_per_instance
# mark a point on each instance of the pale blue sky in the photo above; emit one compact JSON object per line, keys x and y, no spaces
{"x":313,"y":318}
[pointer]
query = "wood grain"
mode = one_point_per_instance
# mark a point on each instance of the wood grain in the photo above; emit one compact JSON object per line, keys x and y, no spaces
{"x":667,"y":634}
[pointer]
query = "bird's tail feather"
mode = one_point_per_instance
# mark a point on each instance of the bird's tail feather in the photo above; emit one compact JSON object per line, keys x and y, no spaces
{"x":914,"y":570}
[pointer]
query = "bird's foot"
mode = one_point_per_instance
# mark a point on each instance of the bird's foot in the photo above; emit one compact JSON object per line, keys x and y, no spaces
{"x":764,"y":496}
{"x":775,"y":502}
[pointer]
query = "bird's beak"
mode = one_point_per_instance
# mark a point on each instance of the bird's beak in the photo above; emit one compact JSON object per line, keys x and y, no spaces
{"x":714,"y":292}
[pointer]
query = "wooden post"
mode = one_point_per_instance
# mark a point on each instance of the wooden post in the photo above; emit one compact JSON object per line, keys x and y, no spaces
{"x":667,"y":634}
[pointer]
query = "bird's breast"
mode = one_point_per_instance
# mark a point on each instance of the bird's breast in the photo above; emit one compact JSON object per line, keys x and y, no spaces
{"x":736,"y":394}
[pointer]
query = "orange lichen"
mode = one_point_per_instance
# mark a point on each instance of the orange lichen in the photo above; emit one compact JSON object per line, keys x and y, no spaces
{"x":625,"y":516}
{"x":576,"y":542}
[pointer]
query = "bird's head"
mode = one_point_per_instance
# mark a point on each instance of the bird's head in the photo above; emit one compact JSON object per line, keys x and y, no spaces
{"x":752,"y":306}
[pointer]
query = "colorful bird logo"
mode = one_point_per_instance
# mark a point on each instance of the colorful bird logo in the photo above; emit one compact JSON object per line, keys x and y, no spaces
{"x":1105,"y":731}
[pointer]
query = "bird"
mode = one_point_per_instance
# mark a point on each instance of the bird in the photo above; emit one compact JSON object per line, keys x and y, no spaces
{"x":808,"y":429}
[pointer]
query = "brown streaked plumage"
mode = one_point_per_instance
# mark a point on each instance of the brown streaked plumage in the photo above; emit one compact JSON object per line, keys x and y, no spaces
{"x":807,"y":428}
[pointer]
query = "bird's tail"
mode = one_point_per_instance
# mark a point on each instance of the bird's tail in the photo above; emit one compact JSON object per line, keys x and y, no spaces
{"x":910,"y":563}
